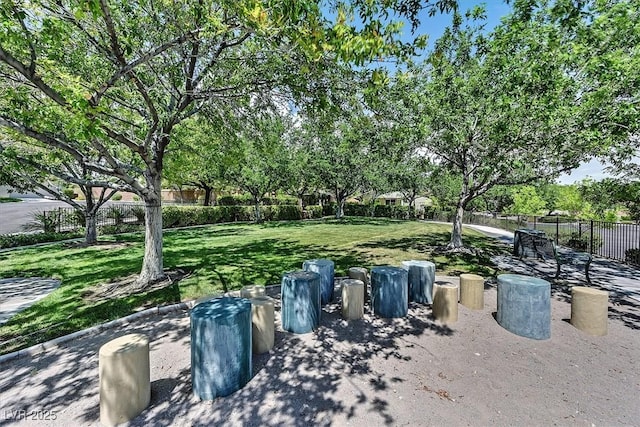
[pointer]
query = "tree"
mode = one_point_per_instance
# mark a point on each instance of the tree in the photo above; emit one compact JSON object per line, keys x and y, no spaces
{"x":197,"y":157}
{"x":339,"y":152}
{"x":526,"y":201}
{"x":260,"y":160}
{"x":112,"y":80}
{"x":499,"y":109}
{"x":47,"y":172}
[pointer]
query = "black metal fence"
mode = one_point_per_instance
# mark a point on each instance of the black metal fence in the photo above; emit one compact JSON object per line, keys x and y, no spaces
{"x":70,"y":219}
{"x":618,"y":241}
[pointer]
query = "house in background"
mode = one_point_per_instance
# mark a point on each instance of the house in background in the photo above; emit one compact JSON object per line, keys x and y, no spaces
{"x":396,"y":198}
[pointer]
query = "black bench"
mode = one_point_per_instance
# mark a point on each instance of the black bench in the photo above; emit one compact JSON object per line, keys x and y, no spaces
{"x":545,"y":248}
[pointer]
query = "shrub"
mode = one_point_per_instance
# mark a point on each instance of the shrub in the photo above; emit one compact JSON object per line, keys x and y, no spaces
{"x":578,"y":241}
{"x":15,"y":240}
{"x":121,"y":228}
{"x":139,"y":213}
{"x":68,"y":192}
{"x":314,"y":211}
{"x":116,"y":197}
{"x":226,"y":201}
{"x":116,"y":214}
{"x":632,"y":256}
{"x":48,"y":222}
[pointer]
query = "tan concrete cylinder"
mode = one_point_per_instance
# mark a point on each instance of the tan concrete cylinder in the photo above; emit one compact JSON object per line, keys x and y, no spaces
{"x":352,"y":299}
{"x":125,"y":387}
{"x":445,"y":303}
{"x":472,"y":291}
{"x":589,"y":309}
{"x":360,"y":273}
{"x":252,"y":291}
{"x":262,"y":324}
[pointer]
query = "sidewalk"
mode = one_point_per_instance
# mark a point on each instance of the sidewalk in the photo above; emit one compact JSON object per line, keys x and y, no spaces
{"x":18,"y":293}
{"x":620,"y":279}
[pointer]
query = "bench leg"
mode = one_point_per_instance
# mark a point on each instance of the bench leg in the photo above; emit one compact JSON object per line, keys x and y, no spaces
{"x":586,"y":271}
{"x":557,"y":269}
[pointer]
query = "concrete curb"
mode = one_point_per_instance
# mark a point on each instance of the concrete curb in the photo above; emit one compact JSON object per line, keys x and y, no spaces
{"x":43,"y":347}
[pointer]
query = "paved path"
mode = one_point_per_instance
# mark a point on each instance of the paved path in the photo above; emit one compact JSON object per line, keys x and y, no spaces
{"x":17,"y":293}
{"x":620,"y":279}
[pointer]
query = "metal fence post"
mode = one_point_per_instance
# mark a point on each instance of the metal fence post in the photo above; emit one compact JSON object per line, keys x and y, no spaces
{"x":557,"y":230}
{"x":591,"y":238}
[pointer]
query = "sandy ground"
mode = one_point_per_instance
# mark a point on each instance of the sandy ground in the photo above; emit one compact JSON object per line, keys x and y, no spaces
{"x":410,"y":371}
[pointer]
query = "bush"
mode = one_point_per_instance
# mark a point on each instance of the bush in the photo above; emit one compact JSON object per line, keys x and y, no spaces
{"x":314,"y":211}
{"x":120,"y":228}
{"x":116,"y":214}
{"x":15,"y":240}
{"x":68,"y":192}
{"x":116,"y":197}
{"x":47,"y":222}
{"x":139,"y":213}
{"x":632,"y":256}
{"x":579,"y":242}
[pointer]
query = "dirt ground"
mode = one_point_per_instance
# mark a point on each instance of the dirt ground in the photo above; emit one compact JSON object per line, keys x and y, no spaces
{"x":369,"y":372}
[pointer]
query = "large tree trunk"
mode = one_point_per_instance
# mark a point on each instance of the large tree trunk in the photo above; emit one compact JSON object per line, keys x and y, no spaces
{"x":90,"y":210}
{"x":90,"y":229}
{"x":456,"y":234}
{"x":340,"y":208}
{"x":207,"y":195}
{"x":152,"y":266}
{"x":256,"y":207}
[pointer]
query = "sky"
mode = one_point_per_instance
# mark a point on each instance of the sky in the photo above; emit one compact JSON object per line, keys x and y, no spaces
{"x":495,"y":10}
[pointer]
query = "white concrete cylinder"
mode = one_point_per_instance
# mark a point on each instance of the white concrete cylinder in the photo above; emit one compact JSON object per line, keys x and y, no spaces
{"x":125,"y":386}
{"x":262,"y":324}
{"x":352,"y":299}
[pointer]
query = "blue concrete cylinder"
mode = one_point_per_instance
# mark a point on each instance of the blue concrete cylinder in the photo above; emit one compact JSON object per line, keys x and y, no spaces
{"x":325,"y":268}
{"x":220,"y":346}
{"x":300,"y":301}
{"x":524,"y":306}
{"x":390,"y":291}
{"x":422,"y":275}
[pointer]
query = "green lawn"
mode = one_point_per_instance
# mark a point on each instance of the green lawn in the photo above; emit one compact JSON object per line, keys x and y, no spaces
{"x":220,"y":258}
{"x":9,"y":200}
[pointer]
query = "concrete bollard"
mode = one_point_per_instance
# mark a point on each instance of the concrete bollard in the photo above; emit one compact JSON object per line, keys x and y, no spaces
{"x":390,"y":291}
{"x":262,"y":324}
{"x":325,"y":268}
{"x":445,"y":303}
{"x":300,"y":296}
{"x":472,"y":291}
{"x":220,"y":347}
{"x":124,"y":372}
{"x":352,"y":299}
{"x":360,"y":273}
{"x":589,"y":310}
{"x":252,"y":291}
{"x":524,"y":306}
{"x":422,"y":275}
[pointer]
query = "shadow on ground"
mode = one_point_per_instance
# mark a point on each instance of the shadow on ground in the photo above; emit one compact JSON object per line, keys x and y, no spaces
{"x":620,"y":280}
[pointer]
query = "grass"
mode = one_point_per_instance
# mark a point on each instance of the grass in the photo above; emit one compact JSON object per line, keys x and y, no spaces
{"x":9,"y":200}
{"x":220,"y":258}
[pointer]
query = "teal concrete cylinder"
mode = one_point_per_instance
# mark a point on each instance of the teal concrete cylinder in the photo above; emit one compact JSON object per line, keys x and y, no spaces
{"x":300,"y":298}
{"x":220,"y":347}
{"x":524,"y":306}
{"x":422,"y":275}
{"x":390,"y":291}
{"x":325,"y":268}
